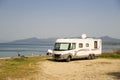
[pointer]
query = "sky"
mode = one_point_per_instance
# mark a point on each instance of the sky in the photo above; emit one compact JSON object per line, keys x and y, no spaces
{"x":21,"y":19}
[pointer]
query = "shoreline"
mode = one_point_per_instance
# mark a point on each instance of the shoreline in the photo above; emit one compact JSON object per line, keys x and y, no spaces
{"x":44,"y":54}
{"x":21,"y":56}
{"x":5,"y":58}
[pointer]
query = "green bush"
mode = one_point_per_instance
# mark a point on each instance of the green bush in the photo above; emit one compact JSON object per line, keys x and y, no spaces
{"x":115,"y":54}
{"x":19,"y":67}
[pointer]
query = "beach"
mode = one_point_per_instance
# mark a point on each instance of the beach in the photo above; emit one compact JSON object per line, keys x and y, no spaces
{"x":97,"y":69}
{"x":45,"y":68}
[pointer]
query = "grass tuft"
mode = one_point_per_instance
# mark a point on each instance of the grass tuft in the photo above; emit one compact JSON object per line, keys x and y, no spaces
{"x":114,"y":55}
{"x":19,"y":67}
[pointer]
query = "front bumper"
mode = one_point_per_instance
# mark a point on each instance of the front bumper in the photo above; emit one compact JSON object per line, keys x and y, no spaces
{"x":60,"y":56}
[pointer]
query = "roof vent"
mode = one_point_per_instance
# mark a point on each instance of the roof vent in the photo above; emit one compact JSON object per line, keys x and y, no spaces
{"x":84,"y":36}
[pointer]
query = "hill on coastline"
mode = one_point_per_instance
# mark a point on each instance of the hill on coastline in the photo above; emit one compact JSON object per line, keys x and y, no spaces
{"x":109,"y":40}
{"x":33,"y":40}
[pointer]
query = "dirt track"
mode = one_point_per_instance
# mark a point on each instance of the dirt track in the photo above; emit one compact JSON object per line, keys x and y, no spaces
{"x":97,"y":69}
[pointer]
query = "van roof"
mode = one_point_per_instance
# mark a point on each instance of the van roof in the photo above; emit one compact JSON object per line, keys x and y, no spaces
{"x":76,"y":40}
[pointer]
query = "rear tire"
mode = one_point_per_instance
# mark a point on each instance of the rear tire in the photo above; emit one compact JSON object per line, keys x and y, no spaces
{"x":93,"y":56}
{"x":90,"y":57}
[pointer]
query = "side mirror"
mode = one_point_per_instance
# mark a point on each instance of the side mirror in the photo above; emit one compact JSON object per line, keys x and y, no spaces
{"x":50,"y":51}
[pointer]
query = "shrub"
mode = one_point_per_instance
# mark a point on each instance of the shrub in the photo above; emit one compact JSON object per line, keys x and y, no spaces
{"x":115,"y":54}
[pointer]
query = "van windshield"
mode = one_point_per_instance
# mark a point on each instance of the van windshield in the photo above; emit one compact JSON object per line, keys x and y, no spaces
{"x":62,"y":46}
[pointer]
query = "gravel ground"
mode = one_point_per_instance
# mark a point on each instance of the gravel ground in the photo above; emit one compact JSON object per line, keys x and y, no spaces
{"x":97,"y":69}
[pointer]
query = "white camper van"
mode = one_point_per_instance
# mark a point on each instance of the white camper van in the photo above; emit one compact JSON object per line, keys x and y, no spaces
{"x":77,"y":48}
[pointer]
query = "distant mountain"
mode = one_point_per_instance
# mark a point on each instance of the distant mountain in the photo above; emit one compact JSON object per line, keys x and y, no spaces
{"x":50,"y":41}
{"x":34,"y":40}
{"x":109,"y":40}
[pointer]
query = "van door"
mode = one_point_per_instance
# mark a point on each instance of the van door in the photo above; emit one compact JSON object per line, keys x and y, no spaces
{"x":95,"y":44}
{"x":73,"y":48}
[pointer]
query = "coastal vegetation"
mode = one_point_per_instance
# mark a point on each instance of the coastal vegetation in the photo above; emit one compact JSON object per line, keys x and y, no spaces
{"x":113,"y":55}
{"x":19,"y":67}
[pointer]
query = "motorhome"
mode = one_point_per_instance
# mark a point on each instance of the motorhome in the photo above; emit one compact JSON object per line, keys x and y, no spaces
{"x":72,"y":48}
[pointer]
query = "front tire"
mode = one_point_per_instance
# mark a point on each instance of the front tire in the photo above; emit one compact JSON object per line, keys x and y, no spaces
{"x":68,"y":59}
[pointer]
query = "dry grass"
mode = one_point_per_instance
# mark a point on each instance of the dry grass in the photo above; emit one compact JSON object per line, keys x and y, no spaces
{"x":114,"y":55}
{"x":19,"y":67}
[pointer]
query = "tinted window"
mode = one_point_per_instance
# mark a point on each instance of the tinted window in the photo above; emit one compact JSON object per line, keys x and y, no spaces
{"x":95,"y":44}
{"x":87,"y":44}
{"x":73,"y":45}
{"x":80,"y":45}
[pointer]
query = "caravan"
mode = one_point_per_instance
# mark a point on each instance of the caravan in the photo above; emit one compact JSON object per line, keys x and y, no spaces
{"x":73,"y":48}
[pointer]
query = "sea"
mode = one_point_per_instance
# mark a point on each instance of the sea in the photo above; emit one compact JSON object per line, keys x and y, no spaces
{"x":13,"y":50}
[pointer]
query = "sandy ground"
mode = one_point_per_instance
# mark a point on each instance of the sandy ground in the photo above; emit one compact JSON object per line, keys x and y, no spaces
{"x":97,"y":69}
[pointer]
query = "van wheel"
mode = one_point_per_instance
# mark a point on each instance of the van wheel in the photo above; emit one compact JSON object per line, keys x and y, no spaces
{"x":68,"y":59}
{"x":93,"y":56}
{"x":90,"y":57}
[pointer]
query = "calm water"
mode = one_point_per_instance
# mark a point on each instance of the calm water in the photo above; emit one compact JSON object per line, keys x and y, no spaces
{"x":110,"y":47}
{"x":28,"y":50}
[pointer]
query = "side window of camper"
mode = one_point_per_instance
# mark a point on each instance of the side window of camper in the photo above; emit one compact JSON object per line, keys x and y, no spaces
{"x":80,"y":45}
{"x":87,"y":44}
{"x":95,"y":44}
{"x":73,"y":45}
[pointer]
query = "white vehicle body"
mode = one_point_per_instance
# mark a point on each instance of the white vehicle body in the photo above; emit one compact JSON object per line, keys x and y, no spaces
{"x":77,"y":48}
